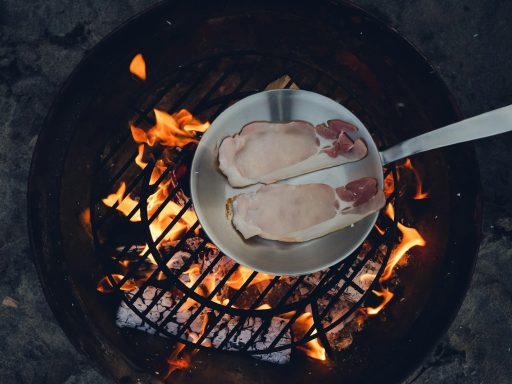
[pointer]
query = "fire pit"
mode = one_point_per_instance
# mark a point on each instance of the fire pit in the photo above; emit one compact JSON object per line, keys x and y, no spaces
{"x":122,"y":257}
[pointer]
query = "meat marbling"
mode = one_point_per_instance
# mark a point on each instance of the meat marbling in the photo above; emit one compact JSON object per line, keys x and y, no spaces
{"x":297,"y":213}
{"x":265,"y":152}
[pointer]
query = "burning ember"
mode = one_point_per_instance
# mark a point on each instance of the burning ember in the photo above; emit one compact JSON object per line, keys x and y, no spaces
{"x":170,"y":284}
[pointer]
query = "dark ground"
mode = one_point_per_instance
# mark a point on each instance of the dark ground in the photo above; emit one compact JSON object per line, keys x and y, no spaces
{"x":469,"y":42}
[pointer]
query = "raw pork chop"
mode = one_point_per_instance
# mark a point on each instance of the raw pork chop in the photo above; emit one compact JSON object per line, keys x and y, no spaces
{"x":265,"y":152}
{"x":296,"y":213}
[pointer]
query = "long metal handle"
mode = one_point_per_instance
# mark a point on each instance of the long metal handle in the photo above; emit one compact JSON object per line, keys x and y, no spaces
{"x":484,"y":125}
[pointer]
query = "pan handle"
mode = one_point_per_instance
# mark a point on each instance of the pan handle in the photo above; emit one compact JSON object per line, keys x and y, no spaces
{"x":477,"y":127}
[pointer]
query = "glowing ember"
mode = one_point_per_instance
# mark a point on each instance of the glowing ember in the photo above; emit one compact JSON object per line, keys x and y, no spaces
{"x":386,"y":295}
{"x":138,"y":66}
{"x":312,"y":348}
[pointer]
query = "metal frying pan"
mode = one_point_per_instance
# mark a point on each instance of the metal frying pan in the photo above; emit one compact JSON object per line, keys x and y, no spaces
{"x":210,"y":188}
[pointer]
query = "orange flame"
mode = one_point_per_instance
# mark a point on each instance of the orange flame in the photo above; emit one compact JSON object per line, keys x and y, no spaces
{"x":420,"y":194}
{"x":242,"y":274}
{"x":189,"y":123}
{"x":389,"y":185}
{"x":105,"y":285}
{"x":168,"y":214}
{"x":381,"y":231}
{"x":312,"y":348}
{"x":175,"y":363}
{"x":138,"y":160}
{"x":176,"y":130}
{"x":386,"y":294}
{"x":138,"y":66}
{"x":263,"y":306}
{"x":410,"y":238}
{"x":125,"y":203}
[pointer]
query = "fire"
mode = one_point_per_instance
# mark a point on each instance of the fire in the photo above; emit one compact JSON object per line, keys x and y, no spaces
{"x":381,"y":231}
{"x":189,"y":123}
{"x":389,"y":181}
{"x":105,"y":284}
{"x":312,"y":348}
{"x":420,"y":194}
{"x":138,"y":66}
{"x":242,"y":274}
{"x":176,"y":130}
{"x":389,"y":185}
{"x":410,"y":238}
{"x":168,"y":214}
{"x":125,"y":204}
{"x":386,"y":294}
{"x":175,"y":363}
{"x":138,"y":160}
{"x":172,"y":130}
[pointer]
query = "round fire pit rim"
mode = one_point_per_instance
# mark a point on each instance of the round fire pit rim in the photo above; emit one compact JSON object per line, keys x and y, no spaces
{"x":92,"y":348}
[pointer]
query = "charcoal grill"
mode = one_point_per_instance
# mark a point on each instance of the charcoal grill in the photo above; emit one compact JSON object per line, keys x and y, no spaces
{"x":195,"y":61}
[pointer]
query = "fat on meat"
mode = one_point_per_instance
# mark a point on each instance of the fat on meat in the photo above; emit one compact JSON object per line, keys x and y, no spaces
{"x":297,"y":213}
{"x":265,"y":152}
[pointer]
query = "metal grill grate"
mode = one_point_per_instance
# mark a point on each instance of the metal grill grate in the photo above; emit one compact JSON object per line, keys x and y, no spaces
{"x":206,"y":89}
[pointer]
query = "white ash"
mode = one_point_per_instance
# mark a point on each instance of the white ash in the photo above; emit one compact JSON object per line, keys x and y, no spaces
{"x":178,"y":260}
{"x":244,"y":334}
{"x":126,"y":317}
{"x":363,"y":279}
{"x":137,"y":248}
{"x":341,"y":336}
